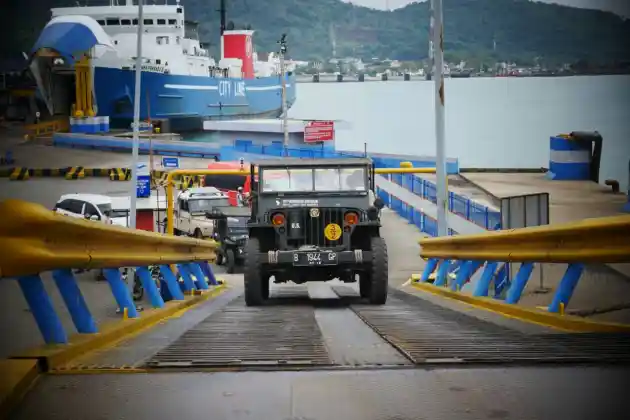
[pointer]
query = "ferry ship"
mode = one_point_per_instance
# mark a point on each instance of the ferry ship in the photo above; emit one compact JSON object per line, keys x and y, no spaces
{"x":180,"y":81}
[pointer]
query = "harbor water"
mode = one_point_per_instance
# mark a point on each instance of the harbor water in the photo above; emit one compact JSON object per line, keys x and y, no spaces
{"x":490,"y":122}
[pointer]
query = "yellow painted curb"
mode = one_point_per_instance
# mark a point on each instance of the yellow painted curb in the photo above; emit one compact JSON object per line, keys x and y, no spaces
{"x":16,"y":378}
{"x":54,"y":356}
{"x":566,"y":323}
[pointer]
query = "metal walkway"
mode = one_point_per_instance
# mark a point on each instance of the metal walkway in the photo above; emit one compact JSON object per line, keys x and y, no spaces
{"x":294,"y":331}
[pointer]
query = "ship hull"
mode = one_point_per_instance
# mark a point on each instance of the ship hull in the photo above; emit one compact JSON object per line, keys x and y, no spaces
{"x":188,"y":100}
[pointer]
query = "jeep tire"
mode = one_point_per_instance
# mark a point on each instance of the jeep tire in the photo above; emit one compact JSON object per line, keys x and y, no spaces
{"x":230,"y":261}
{"x":378,"y":272}
{"x":253,"y":275}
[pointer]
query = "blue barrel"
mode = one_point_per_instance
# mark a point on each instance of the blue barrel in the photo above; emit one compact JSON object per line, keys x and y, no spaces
{"x":103,"y":124}
{"x":570,"y":159}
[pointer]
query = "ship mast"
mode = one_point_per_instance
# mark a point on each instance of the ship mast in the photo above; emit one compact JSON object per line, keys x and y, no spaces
{"x":223,"y":13}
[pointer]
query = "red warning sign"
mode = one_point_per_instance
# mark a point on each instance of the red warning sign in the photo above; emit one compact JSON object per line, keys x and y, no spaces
{"x":315,"y":131}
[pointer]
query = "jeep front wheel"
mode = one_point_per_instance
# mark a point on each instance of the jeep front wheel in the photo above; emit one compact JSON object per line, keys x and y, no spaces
{"x":253,"y":276}
{"x":230,"y":261}
{"x":378,"y":272}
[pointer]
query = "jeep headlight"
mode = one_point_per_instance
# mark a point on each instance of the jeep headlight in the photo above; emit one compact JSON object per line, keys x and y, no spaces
{"x":314,"y":212}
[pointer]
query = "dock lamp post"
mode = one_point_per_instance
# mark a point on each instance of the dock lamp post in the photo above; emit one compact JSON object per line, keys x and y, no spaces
{"x":438,"y":77}
{"x":285,"y":125}
{"x":136,"y":120}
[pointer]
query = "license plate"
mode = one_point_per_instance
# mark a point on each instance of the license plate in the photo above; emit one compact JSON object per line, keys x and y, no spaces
{"x":315,"y":258}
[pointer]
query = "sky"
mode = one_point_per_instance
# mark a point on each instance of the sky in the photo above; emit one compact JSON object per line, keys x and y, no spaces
{"x":621,"y":7}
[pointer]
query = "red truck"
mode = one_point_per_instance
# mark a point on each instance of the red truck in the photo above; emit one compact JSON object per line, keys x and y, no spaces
{"x":230,"y":183}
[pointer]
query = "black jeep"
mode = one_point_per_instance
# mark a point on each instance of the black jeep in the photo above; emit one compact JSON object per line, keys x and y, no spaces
{"x":315,"y":220}
{"x":230,"y":231}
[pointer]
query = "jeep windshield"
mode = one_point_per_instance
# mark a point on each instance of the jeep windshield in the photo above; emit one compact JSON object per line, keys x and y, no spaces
{"x":202,"y":205}
{"x":314,"y":179}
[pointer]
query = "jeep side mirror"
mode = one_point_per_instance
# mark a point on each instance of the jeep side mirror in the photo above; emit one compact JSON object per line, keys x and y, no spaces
{"x":378,"y":203}
{"x":94,"y":217}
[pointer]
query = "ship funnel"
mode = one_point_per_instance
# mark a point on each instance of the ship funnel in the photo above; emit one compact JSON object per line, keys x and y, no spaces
{"x":238,"y":44}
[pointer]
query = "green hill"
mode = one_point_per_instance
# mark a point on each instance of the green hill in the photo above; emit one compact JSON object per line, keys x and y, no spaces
{"x":521,"y":29}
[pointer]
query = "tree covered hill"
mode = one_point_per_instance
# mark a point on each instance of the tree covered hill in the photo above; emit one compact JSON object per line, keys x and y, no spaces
{"x":495,"y":29}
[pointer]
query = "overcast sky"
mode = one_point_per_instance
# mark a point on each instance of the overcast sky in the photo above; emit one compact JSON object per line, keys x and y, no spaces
{"x":621,"y":7}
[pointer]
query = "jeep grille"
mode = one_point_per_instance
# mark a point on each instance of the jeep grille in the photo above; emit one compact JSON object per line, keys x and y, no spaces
{"x":310,"y":230}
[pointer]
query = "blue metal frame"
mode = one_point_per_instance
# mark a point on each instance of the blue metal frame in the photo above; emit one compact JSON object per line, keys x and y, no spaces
{"x":42,"y":309}
{"x":195,"y":276}
{"x":73,"y":298}
{"x":121,"y":292}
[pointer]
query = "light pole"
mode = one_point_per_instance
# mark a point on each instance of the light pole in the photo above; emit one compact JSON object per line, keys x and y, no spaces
{"x":440,"y":164}
{"x":136,"y":121}
{"x":285,"y":125}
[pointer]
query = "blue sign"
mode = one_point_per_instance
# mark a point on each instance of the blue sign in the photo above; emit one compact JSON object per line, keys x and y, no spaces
{"x":143,"y":187}
{"x":170,"y":162}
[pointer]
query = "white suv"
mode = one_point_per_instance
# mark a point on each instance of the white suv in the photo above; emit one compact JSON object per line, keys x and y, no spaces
{"x":91,"y":206}
{"x":190,"y":211}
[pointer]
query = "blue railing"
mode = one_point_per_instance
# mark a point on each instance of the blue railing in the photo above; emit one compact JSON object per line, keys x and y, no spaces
{"x":474,"y":212}
{"x":313,"y":152}
{"x":425,"y":223}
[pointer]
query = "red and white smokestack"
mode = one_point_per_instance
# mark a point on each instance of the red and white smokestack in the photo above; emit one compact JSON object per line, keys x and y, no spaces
{"x":238,"y":44}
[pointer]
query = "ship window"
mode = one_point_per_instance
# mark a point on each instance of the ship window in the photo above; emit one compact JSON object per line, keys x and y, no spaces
{"x":125,"y":22}
{"x":158,"y":61}
{"x":177,"y":39}
{"x":161,"y":21}
{"x":172,"y":21}
{"x":162,"y":40}
{"x":112,"y":22}
{"x":135,"y":22}
{"x":101,"y":22}
{"x":148,"y":21}
{"x":180,"y":10}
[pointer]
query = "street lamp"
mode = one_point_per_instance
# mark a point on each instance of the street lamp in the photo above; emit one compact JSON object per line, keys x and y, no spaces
{"x":285,"y":126}
{"x":136,"y":121}
{"x":438,"y":77}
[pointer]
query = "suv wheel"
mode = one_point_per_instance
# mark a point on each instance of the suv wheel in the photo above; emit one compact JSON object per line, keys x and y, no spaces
{"x":230,"y":261}
{"x":253,"y":276}
{"x":378,"y":272}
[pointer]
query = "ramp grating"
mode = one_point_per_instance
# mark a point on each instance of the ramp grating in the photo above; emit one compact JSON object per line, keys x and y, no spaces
{"x":428,"y":333}
{"x":277,"y":335}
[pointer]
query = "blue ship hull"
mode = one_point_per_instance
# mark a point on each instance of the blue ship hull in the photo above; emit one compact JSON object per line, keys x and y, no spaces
{"x":188,"y":98}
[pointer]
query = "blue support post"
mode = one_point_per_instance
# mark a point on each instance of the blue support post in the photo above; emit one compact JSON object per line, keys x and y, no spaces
{"x":185,"y":273}
{"x":211,"y":277}
{"x":567,"y":286}
{"x":171,"y":282}
{"x":483,"y":285}
{"x":429,"y":269}
{"x":502,"y":281}
{"x":41,"y":307}
{"x":150,"y":287}
{"x":520,"y":281}
{"x":441,"y":278}
{"x":121,"y":291}
{"x":201,"y":278}
{"x":73,"y":298}
{"x":462,"y":275}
